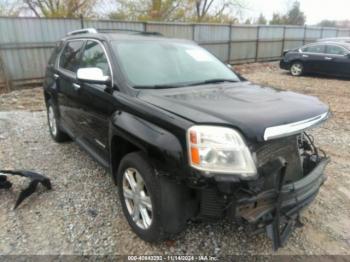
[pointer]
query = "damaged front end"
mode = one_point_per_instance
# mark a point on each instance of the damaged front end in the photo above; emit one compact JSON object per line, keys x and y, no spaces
{"x":291,"y":171}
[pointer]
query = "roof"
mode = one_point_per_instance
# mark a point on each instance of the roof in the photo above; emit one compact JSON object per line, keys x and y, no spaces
{"x":123,"y":35}
{"x":342,"y":44}
{"x":335,"y":39}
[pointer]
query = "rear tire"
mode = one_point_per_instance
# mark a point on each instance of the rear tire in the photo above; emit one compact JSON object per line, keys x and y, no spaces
{"x":56,"y":133}
{"x":297,"y":69}
{"x":153,"y":208}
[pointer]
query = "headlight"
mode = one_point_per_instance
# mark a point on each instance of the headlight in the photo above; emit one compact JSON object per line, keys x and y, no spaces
{"x":219,"y":150}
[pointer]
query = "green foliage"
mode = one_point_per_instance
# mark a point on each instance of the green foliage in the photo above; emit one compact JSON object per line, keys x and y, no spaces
{"x":248,"y":21}
{"x":334,"y":23}
{"x":278,"y":19}
{"x":214,"y":11}
{"x":59,"y":8}
{"x":142,"y":10}
{"x":9,"y":8}
{"x":293,"y":17}
{"x":327,"y":23}
{"x":261,"y":20}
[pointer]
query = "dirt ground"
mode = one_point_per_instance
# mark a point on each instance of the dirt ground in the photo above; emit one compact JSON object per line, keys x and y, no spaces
{"x":82,"y":215}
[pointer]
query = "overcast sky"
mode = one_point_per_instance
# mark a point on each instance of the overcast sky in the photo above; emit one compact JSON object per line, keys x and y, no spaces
{"x":315,"y":10}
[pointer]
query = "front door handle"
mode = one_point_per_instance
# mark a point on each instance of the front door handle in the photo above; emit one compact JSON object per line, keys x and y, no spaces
{"x":305,"y":56}
{"x":56,"y":76}
{"x":328,"y":58}
{"x":76,"y":86}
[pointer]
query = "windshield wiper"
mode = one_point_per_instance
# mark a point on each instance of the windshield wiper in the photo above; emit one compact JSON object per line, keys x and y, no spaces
{"x":213,"y":81}
{"x":165,"y":86}
{"x":157,"y":86}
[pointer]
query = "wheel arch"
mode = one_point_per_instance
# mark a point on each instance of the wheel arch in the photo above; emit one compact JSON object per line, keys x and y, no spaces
{"x":129,"y":133}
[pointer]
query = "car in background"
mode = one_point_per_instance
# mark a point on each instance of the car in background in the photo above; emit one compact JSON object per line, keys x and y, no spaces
{"x":335,"y":39}
{"x":331,"y":58}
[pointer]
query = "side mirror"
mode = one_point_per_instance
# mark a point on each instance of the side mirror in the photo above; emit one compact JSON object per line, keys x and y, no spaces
{"x":92,"y":75}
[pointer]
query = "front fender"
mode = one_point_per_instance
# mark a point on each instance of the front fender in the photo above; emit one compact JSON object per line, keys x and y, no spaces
{"x":165,"y":150}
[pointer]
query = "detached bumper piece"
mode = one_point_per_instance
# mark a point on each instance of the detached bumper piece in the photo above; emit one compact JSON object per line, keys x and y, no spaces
{"x":35,"y":180}
{"x":277,"y":210}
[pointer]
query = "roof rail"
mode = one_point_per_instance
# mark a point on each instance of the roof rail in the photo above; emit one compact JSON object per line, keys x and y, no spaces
{"x":83,"y":31}
{"x":133,"y":31}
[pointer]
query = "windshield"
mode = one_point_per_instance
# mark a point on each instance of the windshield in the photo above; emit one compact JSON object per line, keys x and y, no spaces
{"x":152,"y":64}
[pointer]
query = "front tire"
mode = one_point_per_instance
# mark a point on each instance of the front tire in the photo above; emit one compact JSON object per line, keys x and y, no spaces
{"x":297,"y":69}
{"x":56,"y":133}
{"x":151,"y":205}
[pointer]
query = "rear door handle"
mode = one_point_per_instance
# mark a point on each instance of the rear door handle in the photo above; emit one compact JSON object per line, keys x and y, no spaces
{"x":328,"y":58}
{"x":76,"y":86}
{"x":56,"y":76}
{"x":305,"y":56}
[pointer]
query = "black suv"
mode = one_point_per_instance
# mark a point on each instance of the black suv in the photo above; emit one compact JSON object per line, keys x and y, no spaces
{"x":184,"y":137}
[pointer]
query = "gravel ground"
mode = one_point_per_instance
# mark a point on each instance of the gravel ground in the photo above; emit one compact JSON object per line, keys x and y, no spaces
{"x":82,"y":214}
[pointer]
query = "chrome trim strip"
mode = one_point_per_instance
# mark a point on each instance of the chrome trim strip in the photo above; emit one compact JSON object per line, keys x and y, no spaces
{"x":293,"y":128}
{"x":100,"y":143}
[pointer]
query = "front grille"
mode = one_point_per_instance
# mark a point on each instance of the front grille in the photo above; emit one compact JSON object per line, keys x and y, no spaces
{"x":287,"y":148}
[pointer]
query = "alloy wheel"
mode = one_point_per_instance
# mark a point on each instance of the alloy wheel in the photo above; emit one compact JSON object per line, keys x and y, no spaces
{"x":137,"y":198}
{"x":296,"y":69}
{"x":52,"y":121}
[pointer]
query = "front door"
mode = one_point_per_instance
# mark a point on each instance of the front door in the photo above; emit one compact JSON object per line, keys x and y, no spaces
{"x":313,"y":58}
{"x":96,"y":100}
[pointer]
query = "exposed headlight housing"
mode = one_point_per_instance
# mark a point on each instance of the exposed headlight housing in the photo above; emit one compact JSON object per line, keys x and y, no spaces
{"x":219,"y":150}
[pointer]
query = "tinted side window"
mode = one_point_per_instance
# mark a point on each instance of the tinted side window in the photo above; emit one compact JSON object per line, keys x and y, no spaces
{"x":54,"y":53}
{"x":319,"y":49}
{"x":69,"y":59}
{"x":335,"y":50}
{"x":94,"y":56}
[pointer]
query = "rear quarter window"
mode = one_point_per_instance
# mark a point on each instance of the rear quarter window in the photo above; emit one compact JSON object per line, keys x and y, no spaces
{"x":56,"y":50}
{"x":335,"y":50}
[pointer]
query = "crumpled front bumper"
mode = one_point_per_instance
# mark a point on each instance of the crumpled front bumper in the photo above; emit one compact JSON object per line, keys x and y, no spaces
{"x":280,"y":207}
{"x":292,"y":194}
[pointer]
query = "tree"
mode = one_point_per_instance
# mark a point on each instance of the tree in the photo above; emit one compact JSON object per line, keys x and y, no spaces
{"x":293,"y":17}
{"x":261,"y":20}
{"x":277,"y":19}
{"x":327,"y":23}
{"x":10,"y":8}
{"x":59,"y":8}
{"x":218,"y":11}
{"x":334,"y":23}
{"x":161,"y":10}
{"x":248,"y":21}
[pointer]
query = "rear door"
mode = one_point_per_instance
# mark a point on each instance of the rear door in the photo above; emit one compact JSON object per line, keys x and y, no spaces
{"x":313,"y":57}
{"x":337,"y":60}
{"x":68,"y":89}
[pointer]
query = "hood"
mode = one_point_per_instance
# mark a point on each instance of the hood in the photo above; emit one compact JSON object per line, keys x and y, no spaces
{"x":245,"y":106}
